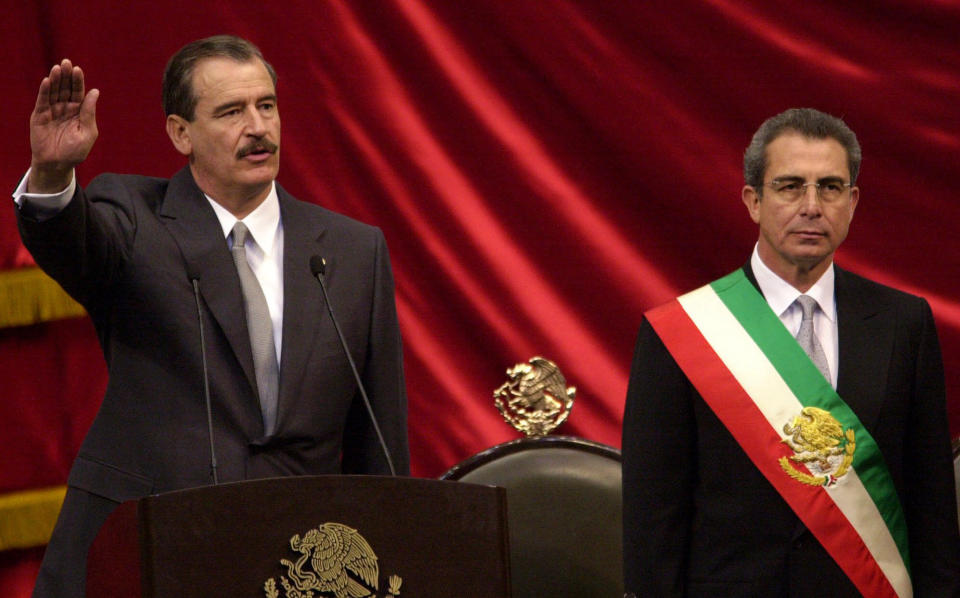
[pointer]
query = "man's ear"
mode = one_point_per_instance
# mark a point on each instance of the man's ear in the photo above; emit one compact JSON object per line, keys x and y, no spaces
{"x":751,"y":199}
{"x":178,"y":129}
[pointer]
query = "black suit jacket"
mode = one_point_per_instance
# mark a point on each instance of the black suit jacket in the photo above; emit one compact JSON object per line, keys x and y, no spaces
{"x":128,"y":248}
{"x":701,"y":520}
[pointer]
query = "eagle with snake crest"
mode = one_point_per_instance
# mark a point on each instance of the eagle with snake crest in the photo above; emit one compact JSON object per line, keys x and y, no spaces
{"x":821,"y":444}
{"x":333,"y":551}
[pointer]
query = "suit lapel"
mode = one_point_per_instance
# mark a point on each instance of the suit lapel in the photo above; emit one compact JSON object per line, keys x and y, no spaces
{"x":302,"y":298}
{"x":866,"y":346}
{"x":193,"y":224}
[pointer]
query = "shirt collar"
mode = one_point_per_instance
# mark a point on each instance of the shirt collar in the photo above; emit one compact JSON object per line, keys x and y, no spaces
{"x":262,"y":223}
{"x":780,"y":294}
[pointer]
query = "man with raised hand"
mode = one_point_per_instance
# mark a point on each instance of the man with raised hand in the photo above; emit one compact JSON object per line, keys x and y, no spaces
{"x":143,"y":255}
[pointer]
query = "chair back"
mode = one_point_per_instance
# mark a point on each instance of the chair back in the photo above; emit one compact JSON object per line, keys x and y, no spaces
{"x":563,"y":512}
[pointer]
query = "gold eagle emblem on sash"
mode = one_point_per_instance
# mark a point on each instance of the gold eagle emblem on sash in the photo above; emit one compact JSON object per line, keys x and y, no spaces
{"x":820,"y":443}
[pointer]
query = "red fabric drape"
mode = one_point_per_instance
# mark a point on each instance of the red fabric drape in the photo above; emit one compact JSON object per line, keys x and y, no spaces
{"x":543,"y":171}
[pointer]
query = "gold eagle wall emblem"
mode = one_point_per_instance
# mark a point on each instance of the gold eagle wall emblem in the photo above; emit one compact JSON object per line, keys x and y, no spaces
{"x":820,"y":443}
{"x":535,"y":398}
{"x":335,"y":561}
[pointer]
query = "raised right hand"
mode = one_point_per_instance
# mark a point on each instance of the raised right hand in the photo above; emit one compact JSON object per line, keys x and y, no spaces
{"x":63,"y":128}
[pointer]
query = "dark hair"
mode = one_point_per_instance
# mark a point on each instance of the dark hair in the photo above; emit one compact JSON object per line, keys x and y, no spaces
{"x":809,"y":123}
{"x":178,"y":96}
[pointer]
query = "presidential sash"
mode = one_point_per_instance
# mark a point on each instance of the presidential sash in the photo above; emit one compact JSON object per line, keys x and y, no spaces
{"x":794,"y":427}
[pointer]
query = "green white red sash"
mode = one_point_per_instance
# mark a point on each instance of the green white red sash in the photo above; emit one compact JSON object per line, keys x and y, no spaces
{"x":757,"y":379}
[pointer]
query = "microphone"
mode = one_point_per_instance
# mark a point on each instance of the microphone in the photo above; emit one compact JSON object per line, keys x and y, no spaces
{"x":195,"y":280}
{"x":318,"y":267}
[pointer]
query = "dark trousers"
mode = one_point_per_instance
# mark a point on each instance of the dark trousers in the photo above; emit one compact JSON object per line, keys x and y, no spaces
{"x":65,"y":560}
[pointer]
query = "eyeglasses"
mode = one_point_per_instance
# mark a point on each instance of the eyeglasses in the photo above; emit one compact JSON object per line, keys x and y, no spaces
{"x":794,"y":189}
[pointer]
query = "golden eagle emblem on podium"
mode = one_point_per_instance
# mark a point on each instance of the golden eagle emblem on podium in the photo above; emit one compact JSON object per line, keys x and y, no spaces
{"x":335,"y":561}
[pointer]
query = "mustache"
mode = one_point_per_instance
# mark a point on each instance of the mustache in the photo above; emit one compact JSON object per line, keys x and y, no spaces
{"x":257,"y":146}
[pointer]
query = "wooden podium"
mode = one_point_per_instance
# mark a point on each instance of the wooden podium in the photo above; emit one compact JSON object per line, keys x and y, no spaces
{"x":285,"y":537}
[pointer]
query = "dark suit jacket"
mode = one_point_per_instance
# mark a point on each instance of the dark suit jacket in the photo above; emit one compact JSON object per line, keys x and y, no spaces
{"x":127,"y":249}
{"x":701,"y":520}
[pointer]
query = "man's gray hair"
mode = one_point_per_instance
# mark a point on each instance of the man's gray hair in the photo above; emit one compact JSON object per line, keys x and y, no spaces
{"x":807,"y":122}
{"x":178,"y":96}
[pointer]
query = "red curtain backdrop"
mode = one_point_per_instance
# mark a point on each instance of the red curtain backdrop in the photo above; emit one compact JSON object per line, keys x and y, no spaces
{"x":544,"y":171}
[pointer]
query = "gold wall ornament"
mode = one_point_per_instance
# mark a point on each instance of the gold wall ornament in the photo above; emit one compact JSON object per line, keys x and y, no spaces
{"x":335,"y":561}
{"x":535,"y":398}
{"x":819,"y":442}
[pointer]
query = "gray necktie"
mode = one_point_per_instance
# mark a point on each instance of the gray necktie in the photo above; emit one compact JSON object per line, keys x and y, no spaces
{"x":808,"y":338}
{"x":261,"y":331}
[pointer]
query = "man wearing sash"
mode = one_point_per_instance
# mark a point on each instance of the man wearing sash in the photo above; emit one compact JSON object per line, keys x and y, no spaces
{"x":785,"y":431}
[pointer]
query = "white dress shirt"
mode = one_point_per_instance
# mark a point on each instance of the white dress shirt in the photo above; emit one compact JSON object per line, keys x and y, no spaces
{"x":44,"y":205}
{"x":781,"y":297}
{"x":264,"y":248}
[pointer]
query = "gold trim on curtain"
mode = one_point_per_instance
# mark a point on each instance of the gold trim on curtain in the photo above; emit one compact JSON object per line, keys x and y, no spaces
{"x":27,"y":517}
{"x":28,"y":296}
